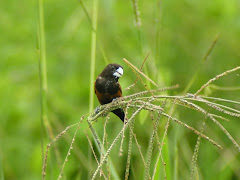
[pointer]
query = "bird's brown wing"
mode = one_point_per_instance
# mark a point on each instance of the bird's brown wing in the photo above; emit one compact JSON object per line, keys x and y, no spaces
{"x":105,"y":98}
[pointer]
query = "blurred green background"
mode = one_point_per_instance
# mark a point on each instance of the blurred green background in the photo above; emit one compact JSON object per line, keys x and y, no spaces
{"x":177,"y":34}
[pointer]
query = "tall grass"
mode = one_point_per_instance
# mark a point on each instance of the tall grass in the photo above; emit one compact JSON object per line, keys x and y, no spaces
{"x":56,"y":83}
{"x":1,"y":167}
{"x":139,"y":103}
{"x":155,"y":165}
{"x":92,"y":69}
{"x":45,"y":124}
{"x":42,"y":72}
{"x":93,"y":54}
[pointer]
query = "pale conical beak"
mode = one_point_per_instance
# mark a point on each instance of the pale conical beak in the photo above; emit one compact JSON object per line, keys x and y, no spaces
{"x":118,"y":73}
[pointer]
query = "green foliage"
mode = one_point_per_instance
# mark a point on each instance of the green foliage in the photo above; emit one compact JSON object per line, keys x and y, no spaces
{"x":178,"y":34}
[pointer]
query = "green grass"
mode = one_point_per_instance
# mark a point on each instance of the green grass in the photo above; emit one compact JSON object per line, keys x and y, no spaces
{"x":51,"y":53}
{"x":1,"y":169}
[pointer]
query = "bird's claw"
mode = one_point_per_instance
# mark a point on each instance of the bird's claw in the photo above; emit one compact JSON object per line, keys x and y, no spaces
{"x":114,"y":99}
{"x":96,"y":110}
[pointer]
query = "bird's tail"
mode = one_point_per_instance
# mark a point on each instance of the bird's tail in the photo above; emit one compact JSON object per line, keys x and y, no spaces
{"x":120,"y":113}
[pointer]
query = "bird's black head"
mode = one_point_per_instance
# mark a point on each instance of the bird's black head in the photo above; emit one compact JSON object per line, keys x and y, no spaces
{"x":112,"y":71}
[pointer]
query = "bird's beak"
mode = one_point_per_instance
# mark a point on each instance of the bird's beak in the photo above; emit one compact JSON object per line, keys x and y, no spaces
{"x":118,"y":73}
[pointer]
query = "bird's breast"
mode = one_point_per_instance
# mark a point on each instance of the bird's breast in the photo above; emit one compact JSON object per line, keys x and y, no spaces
{"x":107,"y":90}
{"x":106,"y":86}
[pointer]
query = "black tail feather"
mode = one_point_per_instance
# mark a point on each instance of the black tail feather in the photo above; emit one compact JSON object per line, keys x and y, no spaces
{"x":120,"y":113}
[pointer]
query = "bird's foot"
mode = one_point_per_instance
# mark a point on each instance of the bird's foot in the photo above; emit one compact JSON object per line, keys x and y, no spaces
{"x":116,"y":99}
{"x":96,"y":110}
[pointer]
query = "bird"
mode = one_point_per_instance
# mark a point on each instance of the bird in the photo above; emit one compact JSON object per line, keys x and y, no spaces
{"x":107,"y":87}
